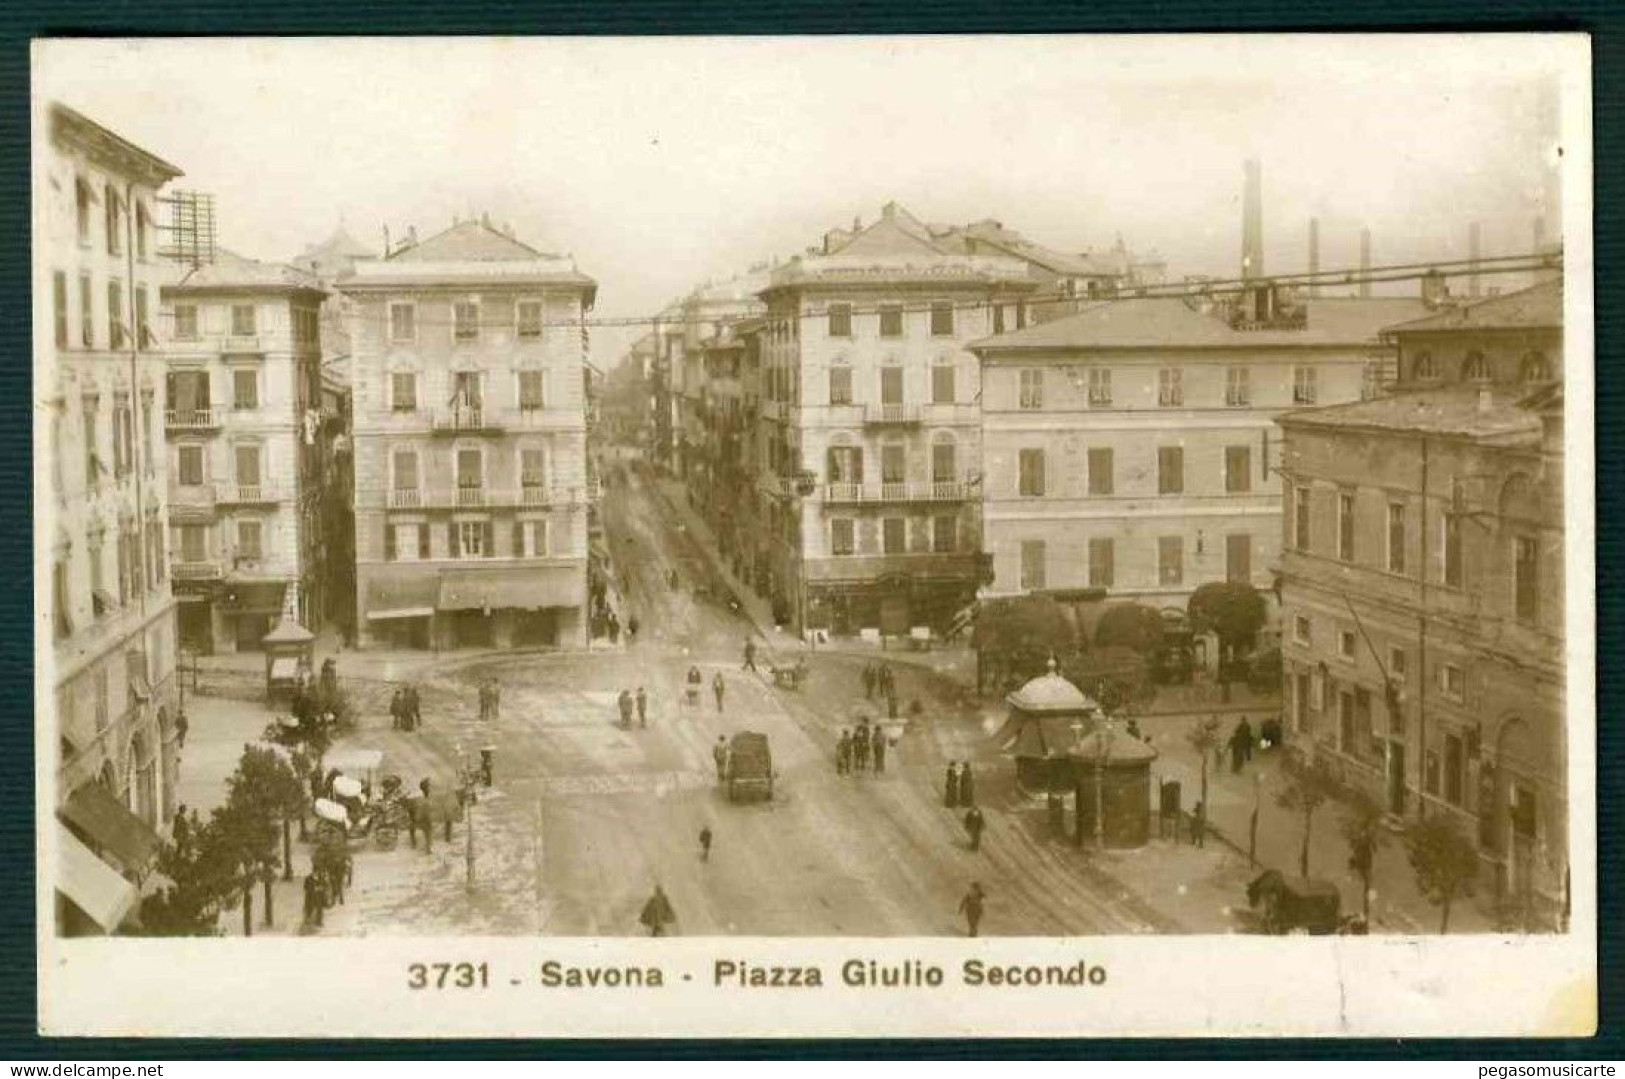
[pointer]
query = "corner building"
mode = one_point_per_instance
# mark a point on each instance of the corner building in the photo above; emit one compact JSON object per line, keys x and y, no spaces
{"x":471,"y":483}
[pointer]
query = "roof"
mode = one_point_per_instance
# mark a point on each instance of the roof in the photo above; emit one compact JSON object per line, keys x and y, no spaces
{"x":339,"y":245}
{"x":1120,"y":749}
{"x":468,"y":241}
{"x":1450,"y":410}
{"x":993,"y":234}
{"x":897,"y":232}
{"x":1175,"y":323}
{"x":1537,"y":307}
{"x":1050,"y":693}
{"x":74,"y":126}
{"x":231,"y":271}
{"x":467,"y":254}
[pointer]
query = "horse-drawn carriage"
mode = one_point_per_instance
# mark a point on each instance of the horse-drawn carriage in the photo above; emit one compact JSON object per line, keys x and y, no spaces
{"x":1287,"y":904}
{"x":789,"y":676}
{"x":750,"y":767}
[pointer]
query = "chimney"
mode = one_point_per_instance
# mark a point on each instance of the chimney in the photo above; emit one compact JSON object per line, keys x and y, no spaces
{"x":1314,"y":254}
{"x":1252,"y":220}
{"x":834,"y":239}
{"x":1472,"y":259}
{"x":1365,"y":263}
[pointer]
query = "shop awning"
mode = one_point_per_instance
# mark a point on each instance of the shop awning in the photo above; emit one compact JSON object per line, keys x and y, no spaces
{"x":401,"y":612}
{"x":105,"y":821}
{"x":94,"y":886}
{"x":409,"y":596}
{"x":527,"y":589}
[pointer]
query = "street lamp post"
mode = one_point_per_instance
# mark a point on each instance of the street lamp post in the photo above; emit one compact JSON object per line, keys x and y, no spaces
{"x":1102,"y":756}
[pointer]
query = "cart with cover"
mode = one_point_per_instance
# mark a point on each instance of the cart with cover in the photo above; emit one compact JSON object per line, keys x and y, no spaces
{"x":750,"y":767}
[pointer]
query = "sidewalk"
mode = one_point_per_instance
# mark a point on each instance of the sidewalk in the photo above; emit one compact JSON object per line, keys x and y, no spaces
{"x":1396,"y":904}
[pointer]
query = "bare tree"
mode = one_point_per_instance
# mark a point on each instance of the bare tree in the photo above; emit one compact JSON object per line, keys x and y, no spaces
{"x":1362,"y":828}
{"x":1309,"y":785}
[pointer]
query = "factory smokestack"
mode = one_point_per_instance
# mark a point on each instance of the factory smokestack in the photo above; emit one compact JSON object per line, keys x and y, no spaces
{"x":1252,"y":220}
{"x":1473,"y":255}
{"x":1365,"y":262}
{"x":1314,"y":253}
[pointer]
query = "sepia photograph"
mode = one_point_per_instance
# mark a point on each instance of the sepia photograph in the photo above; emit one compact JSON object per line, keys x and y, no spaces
{"x":892,"y":520}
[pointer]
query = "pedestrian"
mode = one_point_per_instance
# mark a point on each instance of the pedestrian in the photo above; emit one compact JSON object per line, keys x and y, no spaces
{"x":314,"y":900}
{"x":887,"y":685}
{"x":614,"y":628}
{"x":485,"y":700}
{"x":705,"y":843}
{"x":330,"y":679}
{"x":695,"y":681}
{"x":496,"y":699}
{"x":414,"y":709}
{"x":868,"y":681}
{"x":891,"y":702}
{"x":971,"y":907}
{"x":1238,"y":750}
{"x":1134,"y":729}
{"x":717,"y":687}
{"x":719,"y":753}
{"x":877,"y":744}
{"x":643,"y":708}
{"x":843,"y":753}
{"x":657,"y":913}
{"x":632,"y":629}
{"x":180,"y":831}
{"x":750,"y":656}
{"x":397,"y":709}
{"x":180,"y":728}
{"x":1199,"y":822}
{"x":425,"y":809}
{"x":967,"y":785}
{"x":624,"y":703}
{"x":1245,"y":732}
{"x":860,"y":747}
{"x":974,"y":824}
{"x":950,"y":790}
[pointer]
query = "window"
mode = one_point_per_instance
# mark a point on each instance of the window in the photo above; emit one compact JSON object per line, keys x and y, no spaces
{"x":530,"y":539}
{"x":1345,"y":526}
{"x":403,"y":391}
{"x":1452,"y":681}
{"x":998,"y":318}
{"x":942,"y":383}
{"x":840,"y":320}
{"x":1525,"y":578}
{"x":242,"y":320}
{"x":87,"y":316}
{"x":1450,"y":553}
{"x":1033,"y":560}
{"x":248,"y":466}
{"x":1398,"y":665}
{"x":1100,"y":563}
{"x":1021,"y":314}
{"x":248,"y":541}
{"x":471,"y":539}
{"x":1303,"y":385}
{"x":59,"y":307}
{"x":1032,"y":387}
{"x":532,"y":390}
{"x":944,"y":462}
{"x":114,"y":213}
{"x":465,"y":319}
{"x":1238,"y":558}
{"x":894,"y":535}
{"x":1345,"y":644}
{"x":532,"y":472}
{"x":194,"y":543}
{"x":82,"y":198}
{"x":529,"y":317}
{"x":1300,"y":518}
{"x":143,"y":221}
{"x":1238,"y":388}
{"x":1170,"y":470}
{"x":840,"y":385}
{"x":1536,"y":368}
{"x":1301,"y":631}
{"x":1455,"y":767}
{"x":115,"y":314}
{"x":1238,"y":469}
{"x":891,"y":320}
{"x":93,"y":463}
{"x":841,"y":536}
{"x":1422,"y":366}
{"x":245,"y":389}
{"x":403,"y":322}
{"x":1170,"y":560}
{"x":944,"y":533}
{"x":1100,"y":387}
{"x":891,"y":385}
{"x":404,"y":465}
{"x":1170,"y":387}
{"x":470,"y":469}
{"x":189,"y":463}
{"x":1031,"y":482}
{"x":143,"y":334}
{"x":186,"y":322}
{"x":893,"y":462}
{"x":942,"y":319}
{"x":845,"y":464}
{"x":1100,"y":470}
{"x":1475,"y":368}
{"x":123,"y":436}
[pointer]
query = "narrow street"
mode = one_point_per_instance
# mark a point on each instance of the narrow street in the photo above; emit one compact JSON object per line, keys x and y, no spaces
{"x":585,"y":818}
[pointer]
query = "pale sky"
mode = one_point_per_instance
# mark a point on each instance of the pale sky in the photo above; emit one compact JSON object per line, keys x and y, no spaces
{"x":659,"y":163}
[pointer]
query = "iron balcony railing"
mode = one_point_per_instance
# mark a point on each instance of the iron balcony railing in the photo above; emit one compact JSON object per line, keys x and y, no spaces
{"x":243,"y":494}
{"x":898,"y":491}
{"x":194,"y":571}
{"x":891,"y":413}
{"x":191,"y":419}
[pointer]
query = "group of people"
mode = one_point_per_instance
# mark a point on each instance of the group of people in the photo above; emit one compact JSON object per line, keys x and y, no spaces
{"x":405,"y":709}
{"x":879,"y":679}
{"x":856,"y":749}
{"x":490,"y":699}
{"x":1243,"y":743}
{"x":696,"y":680}
{"x":628,"y":703}
{"x":959,"y":791}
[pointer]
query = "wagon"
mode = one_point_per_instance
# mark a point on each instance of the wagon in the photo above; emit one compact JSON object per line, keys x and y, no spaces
{"x":790,"y":675}
{"x":750,"y":767}
{"x":1288,"y":903}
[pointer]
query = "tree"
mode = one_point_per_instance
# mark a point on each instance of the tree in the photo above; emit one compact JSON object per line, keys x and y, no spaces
{"x":259,"y":793}
{"x":1014,"y":638}
{"x":1116,"y":677}
{"x":1232,"y":612}
{"x":1363,"y":830}
{"x":1203,"y":738}
{"x":1309,"y":784}
{"x":1444,"y":861}
{"x":1130,"y":625}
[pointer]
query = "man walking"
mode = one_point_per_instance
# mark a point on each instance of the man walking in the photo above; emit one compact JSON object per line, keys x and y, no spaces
{"x":496,"y":699}
{"x":643,"y":708}
{"x":485,"y":700}
{"x":424,"y":810}
{"x":971,"y":907}
{"x":657,"y":913}
{"x":750,"y":656}
{"x":843,"y":753}
{"x":719,"y":752}
{"x":967,"y":785}
{"x":868,"y":680}
{"x":973,"y":828}
{"x":950,"y":788}
{"x":624,"y":702}
{"x":860,"y":747}
{"x":397,"y":709}
{"x":877,"y":744}
{"x":705,"y":843}
{"x":632,"y":629}
{"x":718,"y":687}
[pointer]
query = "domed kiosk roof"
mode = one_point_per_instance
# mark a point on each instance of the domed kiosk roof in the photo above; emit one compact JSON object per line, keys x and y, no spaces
{"x":1051,"y":694}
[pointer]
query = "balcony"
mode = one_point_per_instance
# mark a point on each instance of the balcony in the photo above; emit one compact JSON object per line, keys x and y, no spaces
{"x":468,"y":421}
{"x":247,"y":494}
{"x":191,"y":501}
{"x":241,"y":345}
{"x":888,"y":415}
{"x":483,"y":498}
{"x":192,"y":419}
{"x":907,"y":491}
{"x":194,"y":571}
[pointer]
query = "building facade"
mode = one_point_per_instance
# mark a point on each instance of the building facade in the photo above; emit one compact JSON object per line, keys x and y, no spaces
{"x":471,"y":481}
{"x":1131,"y":447}
{"x":871,"y":428}
{"x":247,"y":447}
{"x":1423,"y":587}
{"x":101,"y":511}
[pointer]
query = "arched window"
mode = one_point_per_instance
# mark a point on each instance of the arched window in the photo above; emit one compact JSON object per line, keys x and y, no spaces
{"x":1475,"y":368}
{"x":1536,"y":368}
{"x":1423,"y":367}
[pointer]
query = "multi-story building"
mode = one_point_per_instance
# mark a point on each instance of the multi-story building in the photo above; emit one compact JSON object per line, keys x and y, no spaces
{"x":724,"y":474}
{"x":1066,"y":282}
{"x":1423,"y":587}
{"x":471,"y":481}
{"x":247,"y":446}
{"x":1131,"y":447}
{"x":872,"y":429}
{"x":107,"y":658}
{"x":701,"y":315}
